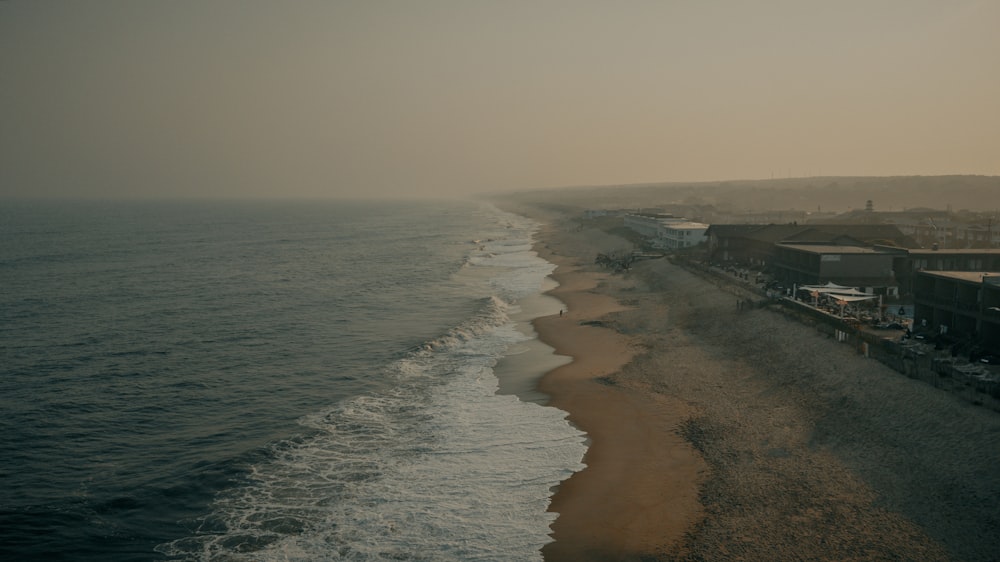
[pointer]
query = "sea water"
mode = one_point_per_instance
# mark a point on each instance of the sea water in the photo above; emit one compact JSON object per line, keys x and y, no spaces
{"x":270,"y":381}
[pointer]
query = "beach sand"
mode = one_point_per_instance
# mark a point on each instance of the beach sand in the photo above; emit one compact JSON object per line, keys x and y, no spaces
{"x":721,"y":434}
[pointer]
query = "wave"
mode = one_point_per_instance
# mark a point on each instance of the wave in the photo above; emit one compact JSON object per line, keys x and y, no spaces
{"x":435,"y":466}
{"x":492,"y":313}
{"x":440,"y":467}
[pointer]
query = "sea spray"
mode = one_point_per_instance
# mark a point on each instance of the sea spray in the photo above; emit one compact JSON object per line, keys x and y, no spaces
{"x":270,"y":380}
{"x":436,"y":467}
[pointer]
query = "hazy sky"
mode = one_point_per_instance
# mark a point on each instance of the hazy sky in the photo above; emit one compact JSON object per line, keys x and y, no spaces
{"x":374,"y":97}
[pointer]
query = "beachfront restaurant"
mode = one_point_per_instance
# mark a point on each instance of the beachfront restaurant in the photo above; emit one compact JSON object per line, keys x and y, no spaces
{"x":867,"y":269}
{"x":841,"y":301}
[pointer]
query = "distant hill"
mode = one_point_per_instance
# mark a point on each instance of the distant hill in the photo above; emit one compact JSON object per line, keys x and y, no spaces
{"x":827,"y":194}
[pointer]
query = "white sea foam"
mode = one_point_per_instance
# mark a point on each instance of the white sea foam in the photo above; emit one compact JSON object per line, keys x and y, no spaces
{"x":439,"y":467}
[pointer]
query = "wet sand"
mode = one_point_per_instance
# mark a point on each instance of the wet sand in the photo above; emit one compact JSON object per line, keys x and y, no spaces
{"x":720,"y":434}
{"x":639,"y":491}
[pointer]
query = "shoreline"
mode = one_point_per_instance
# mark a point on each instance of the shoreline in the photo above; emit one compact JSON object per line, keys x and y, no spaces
{"x":719,"y":433}
{"x":632,"y":435}
{"x":519,"y":371}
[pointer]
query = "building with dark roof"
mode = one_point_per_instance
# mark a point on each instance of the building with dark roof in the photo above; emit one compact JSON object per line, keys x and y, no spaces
{"x":908,"y":262}
{"x":961,"y":306}
{"x":868,"y":269}
{"x":755,"y":244}
{"x":847,"y":254}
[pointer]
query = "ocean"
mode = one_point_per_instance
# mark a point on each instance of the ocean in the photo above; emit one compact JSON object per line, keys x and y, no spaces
{"x":274,"y":380}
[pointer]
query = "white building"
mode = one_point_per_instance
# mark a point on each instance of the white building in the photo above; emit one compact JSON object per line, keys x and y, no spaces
{"x":682,"y":235}
{"x":648,"y":225}
{"x":667,"y":231}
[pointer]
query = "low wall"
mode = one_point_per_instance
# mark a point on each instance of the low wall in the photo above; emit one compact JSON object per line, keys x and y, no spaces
{"x":915,"y":360}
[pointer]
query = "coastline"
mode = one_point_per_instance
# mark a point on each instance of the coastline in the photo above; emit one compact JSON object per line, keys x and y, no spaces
{"x":638,"y":492}
{"x":725,"y":434}
{"x":519,"y":371}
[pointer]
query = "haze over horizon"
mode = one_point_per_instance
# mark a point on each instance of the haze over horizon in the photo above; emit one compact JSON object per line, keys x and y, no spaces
{"x":441,"y":97}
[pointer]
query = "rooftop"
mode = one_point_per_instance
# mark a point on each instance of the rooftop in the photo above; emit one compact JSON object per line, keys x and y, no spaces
{"x":962,"y":251}
{"x":687,"y":225}
{"x":829,"y":249}
{"x":970,"y":276}
{"x":866,"y":234}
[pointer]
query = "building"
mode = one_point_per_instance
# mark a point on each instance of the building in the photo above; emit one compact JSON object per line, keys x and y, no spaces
{"x":676,"y":235}
{"x":868,"y":269}
{"x":909,"y":262}
{"x":750,"y":244}
{"x":951,"y":234}
{"x":755,"y":244}
{"x":665,"y":230}
{"x":930,"y":226}
{"x":964,"y":306}
{"x":649,"y":224}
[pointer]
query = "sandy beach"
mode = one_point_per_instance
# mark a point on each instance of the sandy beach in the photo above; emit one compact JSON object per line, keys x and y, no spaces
{"x":726,"y":434}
